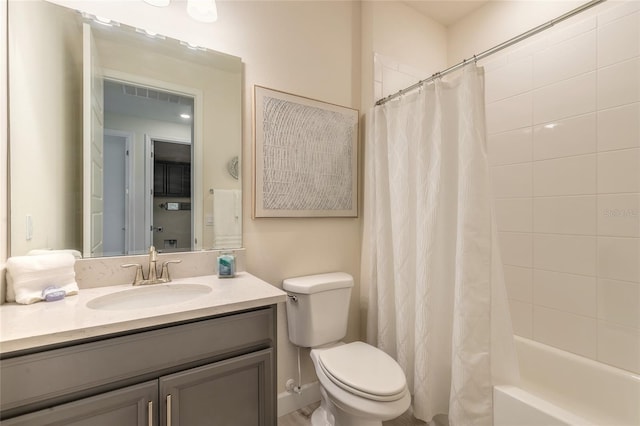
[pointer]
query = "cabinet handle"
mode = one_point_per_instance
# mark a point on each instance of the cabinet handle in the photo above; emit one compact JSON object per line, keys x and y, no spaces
{"x":169,"y":410}
{"x":150,"y":413}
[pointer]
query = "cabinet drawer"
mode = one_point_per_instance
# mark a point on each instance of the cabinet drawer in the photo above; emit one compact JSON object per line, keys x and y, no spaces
{"x":73,"y":372}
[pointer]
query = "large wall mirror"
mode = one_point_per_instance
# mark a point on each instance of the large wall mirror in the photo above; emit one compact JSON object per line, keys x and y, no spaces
{"x":119,"y":138}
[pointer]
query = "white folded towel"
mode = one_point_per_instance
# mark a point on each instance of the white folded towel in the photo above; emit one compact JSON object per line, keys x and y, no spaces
{"x":27,"y":276}
{"x":38,"y":252}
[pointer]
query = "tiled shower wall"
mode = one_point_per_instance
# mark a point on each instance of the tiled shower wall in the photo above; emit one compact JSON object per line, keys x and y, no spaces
{"x":563,"y":123}
{"x":563,"y":117}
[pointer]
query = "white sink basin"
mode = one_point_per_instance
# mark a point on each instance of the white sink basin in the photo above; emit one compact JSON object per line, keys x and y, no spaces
{"x":149,"y":296}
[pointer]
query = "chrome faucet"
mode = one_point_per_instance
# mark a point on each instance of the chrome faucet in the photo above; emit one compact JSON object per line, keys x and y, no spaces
{"x":152,"y":274}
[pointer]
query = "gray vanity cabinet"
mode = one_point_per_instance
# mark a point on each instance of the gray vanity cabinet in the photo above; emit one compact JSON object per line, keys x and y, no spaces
{"x":211,"y":371}
{"x":228,"y":393}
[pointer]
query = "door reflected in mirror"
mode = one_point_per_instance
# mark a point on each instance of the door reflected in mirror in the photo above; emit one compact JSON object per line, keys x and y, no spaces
{"x":120,"y":142}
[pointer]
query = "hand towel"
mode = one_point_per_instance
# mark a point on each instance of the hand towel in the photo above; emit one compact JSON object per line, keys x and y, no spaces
{"x":27,"y":276}
{"x":227,"y":218}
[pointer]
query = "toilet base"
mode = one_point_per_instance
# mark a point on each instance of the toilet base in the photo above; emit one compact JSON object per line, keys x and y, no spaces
{"x":328,"y":414}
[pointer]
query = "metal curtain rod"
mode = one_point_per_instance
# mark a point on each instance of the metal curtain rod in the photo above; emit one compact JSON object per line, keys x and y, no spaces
{"x":494,"y":49}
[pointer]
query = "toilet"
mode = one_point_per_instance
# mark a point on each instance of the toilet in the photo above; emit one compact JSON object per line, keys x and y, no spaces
{"x":360,"y":385}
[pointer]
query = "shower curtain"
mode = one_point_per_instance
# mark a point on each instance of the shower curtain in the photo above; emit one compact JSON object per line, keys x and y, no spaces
{"x":430,"y":260}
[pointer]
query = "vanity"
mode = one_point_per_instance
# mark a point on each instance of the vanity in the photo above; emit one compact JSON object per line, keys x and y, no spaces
{"x":90,"y":359}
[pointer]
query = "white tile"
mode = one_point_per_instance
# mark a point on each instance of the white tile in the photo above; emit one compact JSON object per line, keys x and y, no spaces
{"x":378,"y":64}
{"x":619,"y":171}
{"x":619,"y":258}
{"x":377,"y":90}
{"x":565,"y":32}
{"x":565,"y":215}
{"x":619,"y":40}
{"x":516,"y":249}
{"x":568,"y":98}
{"x":619,"y":302}
{"x":619,"y":215}
{"x":622,"y":9}
{"x":565,"y":176}
{"x":563,"y":138}
{"x":576,"y":294}
{"x":619,"y":128}
{"x":521,"y":318}
{"x":512,"y":79}
{"x":514,"y":214}
{"x":619,"y":346}
{"x":509,"y":114}
{"x":494,"y":62}
{"x":573,"y":333}
{"x":393,"y":81}
{"x":619,"y":84}
{"x":512,"y":181}
{"x":510,"y":147}
{"x":527,"y":48}
{"x":519,"y":283}
{"x":564,"y":60}
{"x":565,"y":253}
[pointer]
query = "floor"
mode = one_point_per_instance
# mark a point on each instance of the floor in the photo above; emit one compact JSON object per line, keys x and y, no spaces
{"x":302,"y":417}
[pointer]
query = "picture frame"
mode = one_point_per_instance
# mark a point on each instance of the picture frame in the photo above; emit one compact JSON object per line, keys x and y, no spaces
{"x":305,"y":161}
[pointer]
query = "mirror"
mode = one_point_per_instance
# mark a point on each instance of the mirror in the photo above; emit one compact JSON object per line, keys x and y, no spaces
{"x":158,"y":163}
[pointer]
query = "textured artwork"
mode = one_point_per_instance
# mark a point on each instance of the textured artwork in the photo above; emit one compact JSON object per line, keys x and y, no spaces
{"x":305,"y":157}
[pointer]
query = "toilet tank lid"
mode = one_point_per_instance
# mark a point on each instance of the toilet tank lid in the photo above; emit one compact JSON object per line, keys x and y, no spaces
{"x":310,"y":284}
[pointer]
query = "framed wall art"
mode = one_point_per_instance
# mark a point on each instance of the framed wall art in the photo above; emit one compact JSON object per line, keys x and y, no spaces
{"x":305,"y":157}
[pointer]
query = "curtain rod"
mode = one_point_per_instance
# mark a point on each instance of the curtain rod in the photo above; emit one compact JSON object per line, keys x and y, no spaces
{"x":493,"y":50}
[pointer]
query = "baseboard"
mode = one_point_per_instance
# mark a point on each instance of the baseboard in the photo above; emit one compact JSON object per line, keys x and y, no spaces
{"x":290,"y":402}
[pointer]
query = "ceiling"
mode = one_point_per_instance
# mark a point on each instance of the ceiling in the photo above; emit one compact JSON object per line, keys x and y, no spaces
{"x":445,"y":12}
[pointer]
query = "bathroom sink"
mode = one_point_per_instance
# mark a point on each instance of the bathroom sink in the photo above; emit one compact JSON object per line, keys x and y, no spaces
{"x":149,"y":296}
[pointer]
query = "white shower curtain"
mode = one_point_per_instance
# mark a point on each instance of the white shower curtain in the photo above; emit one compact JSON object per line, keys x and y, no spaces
{"x":430,"y":260}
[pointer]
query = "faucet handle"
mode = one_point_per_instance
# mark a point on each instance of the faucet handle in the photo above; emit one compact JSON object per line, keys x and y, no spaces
{"x":153,"y":253}
{"x":165,"y":269}
{"x":139,"y":277}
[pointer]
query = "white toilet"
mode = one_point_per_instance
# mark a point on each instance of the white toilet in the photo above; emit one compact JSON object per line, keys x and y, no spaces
{"x":360,"y":385}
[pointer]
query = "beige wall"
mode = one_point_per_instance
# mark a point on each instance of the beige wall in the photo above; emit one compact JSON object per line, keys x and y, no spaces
{"x":46,"y":150}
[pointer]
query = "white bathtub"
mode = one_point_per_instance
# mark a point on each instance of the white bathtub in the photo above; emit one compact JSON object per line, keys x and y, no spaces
{"x":560,"y":388}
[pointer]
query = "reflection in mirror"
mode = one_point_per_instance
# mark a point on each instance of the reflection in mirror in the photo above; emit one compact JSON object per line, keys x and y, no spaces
{"x":119,"y":139}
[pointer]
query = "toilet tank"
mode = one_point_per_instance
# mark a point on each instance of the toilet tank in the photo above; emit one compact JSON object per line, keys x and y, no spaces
{"x":318,"y":308}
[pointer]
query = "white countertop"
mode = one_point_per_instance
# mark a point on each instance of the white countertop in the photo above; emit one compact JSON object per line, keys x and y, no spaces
{"x":46,"y":323}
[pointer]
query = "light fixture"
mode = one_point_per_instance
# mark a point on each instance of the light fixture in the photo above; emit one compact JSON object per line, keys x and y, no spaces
{"x":192,"y":46}
{"x":150,"y":34}
{"x":185,"y":116}
{"x":202,"y":10}
{"x":100,"y":20}
{"x":158,"y":3}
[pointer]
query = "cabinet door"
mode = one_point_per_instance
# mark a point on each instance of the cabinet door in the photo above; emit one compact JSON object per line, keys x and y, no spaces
{"x":130,"y":406}
{"x":234,"y":392}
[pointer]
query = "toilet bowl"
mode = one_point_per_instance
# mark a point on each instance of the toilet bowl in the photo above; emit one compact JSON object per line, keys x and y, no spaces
{"x":360,"y":385}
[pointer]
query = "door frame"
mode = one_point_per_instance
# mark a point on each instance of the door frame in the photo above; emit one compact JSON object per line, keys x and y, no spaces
{"x":149,"y":140}
{"x":129,"y":223}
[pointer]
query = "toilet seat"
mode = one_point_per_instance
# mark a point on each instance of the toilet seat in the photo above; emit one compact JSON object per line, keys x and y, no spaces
{"x":364,"y":370}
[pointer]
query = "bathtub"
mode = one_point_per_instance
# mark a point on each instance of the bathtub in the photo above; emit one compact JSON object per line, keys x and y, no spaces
{"x":560,"y":388}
